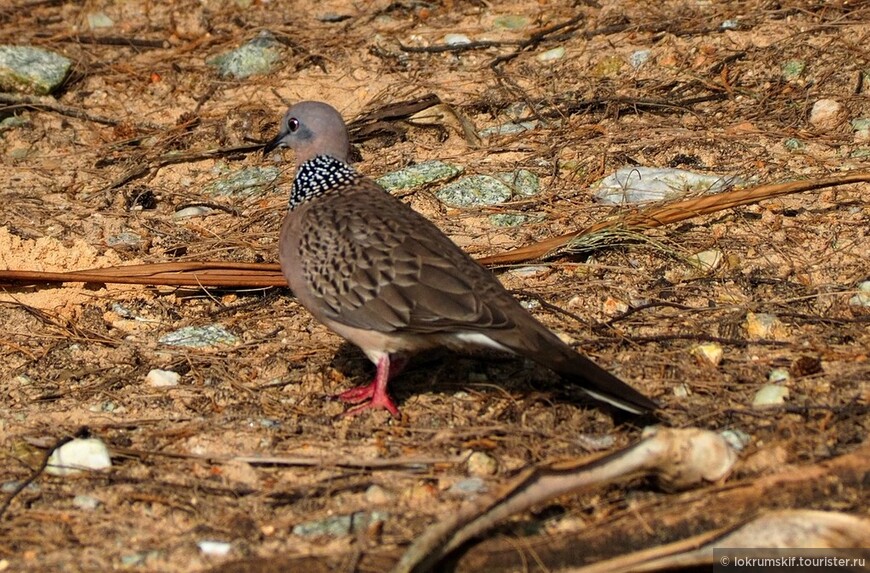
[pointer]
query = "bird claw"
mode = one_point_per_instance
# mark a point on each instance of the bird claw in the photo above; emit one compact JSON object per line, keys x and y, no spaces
{"x":368,"y":398}
{"x":358,"y":394}
{"x":382,"y":401}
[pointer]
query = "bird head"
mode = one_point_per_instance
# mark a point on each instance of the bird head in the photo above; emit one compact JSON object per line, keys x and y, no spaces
{"x":312,"y":128}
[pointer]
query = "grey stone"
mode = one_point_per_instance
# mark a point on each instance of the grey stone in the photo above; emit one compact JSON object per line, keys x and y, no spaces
{"x":258,"y":56}
{"x":244,"y":182}
{"x":475,"y":190}
{"x":340,"y":525}
{"x":33,"y":70}
{"x":419,"y":174}
{"x":200,"y":337}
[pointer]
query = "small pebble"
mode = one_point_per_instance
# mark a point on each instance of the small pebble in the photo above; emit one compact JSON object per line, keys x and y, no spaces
{"x":78,"y":455}
{"x":481,"y":464}
{"x":793,"y":144}
{"x":792,"y":69}
{"x":614,"y":307}
{"x":162,"y":378}
{"x":122,"y":310}
{"x":552,"y":55}
{"x":456,"y":39}
{"x":195,"y":211}
{"x":778,"y":376}
{"x":706,"y":260}
{"x":376,"y":495}
{"x":269,"y":423}
{"x":862,"y":298}
{"x":86,"y":502}
{"x":860,"y":124}
{"x":259,"y":56}
{"x":98,"y":20}
{"x":511,"y":22}
{"x":770,"y":395}
{"x":468,"y":487}
{"x":140,"y":558}
{"x":609,"y":66}
{"x":827,"y":114}
{"x":682,"y":391}
{"x":762,"y":325}
{"x":737,"y":439}
{"x":214,"y":548}
{"x":710,"y":352}
{"x":12,"y":486}
{"x":639,"y":58}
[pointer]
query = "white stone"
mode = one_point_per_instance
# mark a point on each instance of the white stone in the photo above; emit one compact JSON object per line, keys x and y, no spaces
{"x":551,"y":55}
{"x":863,"y":296}
{"x":162,"y":378}
{"x":682,"y":391}
{"x":214,"y":548}
{"x":706,"y":260}
{"x":195,"y":211}
{"x":481,"y":464}
{"x":77,"y":455}
{"x":778,"y":376}
{"x":376,"y":495}
{"x":827,"y":114}
{"x":456,"y":39}
{"x":614,"y":307}
{"x":770,"y":395}
{"x":711,"y":352}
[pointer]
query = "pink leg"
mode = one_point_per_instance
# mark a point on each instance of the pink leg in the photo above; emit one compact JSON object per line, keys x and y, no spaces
{"x":375,"y":394}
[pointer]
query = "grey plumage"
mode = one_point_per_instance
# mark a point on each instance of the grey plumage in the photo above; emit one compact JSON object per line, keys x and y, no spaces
{"x":387,"y":279}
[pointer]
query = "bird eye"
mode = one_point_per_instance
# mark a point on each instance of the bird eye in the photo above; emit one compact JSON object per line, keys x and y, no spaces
{"x":293,"y":124}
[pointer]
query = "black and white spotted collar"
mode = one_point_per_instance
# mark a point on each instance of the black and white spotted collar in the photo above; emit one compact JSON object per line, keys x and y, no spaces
{"x":319,"y":175}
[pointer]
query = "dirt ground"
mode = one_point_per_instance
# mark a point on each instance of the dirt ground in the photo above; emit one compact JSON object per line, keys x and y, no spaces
{"x":710,"y":98}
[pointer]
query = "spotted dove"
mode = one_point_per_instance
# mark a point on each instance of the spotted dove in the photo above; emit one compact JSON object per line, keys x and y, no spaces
{"x":387,"y":279}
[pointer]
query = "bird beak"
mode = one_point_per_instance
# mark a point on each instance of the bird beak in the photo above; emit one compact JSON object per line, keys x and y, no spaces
{"x":274,"y":144}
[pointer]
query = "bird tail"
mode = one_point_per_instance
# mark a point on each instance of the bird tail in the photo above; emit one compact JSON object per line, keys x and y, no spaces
{"x":539,"y":344}
{"x":598,"y":382}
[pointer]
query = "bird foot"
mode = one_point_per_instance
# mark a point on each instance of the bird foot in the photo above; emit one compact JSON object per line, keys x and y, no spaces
{"x":376,"y":402}
{"x":358,"y":394}
{"x":375,"y":395}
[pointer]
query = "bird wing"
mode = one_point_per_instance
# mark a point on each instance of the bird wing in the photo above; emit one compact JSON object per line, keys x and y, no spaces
{"x":377,"y":264}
